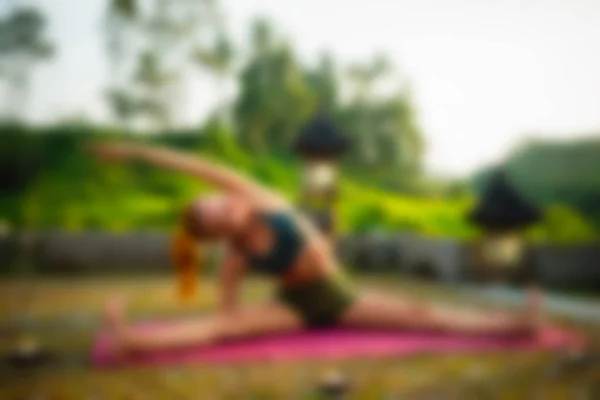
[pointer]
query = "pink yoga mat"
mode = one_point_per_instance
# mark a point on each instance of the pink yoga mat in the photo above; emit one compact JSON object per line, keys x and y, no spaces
{"x":334,"y":344}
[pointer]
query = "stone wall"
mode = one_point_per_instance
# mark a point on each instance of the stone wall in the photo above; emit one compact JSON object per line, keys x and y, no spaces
{"x":439,"y":259}
{"x":93,"y":252}
{"x":8,"y":252}
{"x":576,"y":266}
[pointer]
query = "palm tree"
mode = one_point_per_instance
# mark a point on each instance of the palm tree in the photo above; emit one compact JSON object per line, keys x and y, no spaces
{"x":364,"y":77}
{"x":218,"y":58}
{"x":22,"y":45}
{"x":120,"y":20}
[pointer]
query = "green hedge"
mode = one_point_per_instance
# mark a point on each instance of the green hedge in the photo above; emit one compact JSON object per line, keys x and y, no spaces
{"x":53,"y":183}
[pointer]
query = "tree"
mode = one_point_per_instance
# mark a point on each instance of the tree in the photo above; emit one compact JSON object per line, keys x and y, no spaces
{"x":152,"y":83}
{"x":22,"y":45}
{"x":120,"y":21}
{"x":274,"y":98}
{"x":218,"y":57}
{"x":323,"y":81}
{"x":363,"y":78}
{"x":387,"y":138}
{"x":165,"y":31}
{"x":556,"y":173}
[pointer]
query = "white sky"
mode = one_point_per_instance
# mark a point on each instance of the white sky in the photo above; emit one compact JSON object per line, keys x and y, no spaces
{"x":483,"y":72}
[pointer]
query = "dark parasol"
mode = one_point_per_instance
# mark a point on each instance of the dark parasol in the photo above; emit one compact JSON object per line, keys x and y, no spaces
{"x":502,"y":207}
{"x":320,"y":138}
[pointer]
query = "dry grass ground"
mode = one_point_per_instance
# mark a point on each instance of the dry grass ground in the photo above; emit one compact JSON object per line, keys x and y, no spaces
{"x":49,"y":302}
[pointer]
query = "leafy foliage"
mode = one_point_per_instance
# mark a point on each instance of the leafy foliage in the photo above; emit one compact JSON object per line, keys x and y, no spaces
{"x":549,"y":173}
{"x":47,"y":181}
{"x":58,"y":185}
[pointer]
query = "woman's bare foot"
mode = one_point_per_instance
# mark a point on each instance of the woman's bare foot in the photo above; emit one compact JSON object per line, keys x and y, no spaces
{"x":530,"y":319}
{"x":534,"y":307}
{"x":116,"y":323}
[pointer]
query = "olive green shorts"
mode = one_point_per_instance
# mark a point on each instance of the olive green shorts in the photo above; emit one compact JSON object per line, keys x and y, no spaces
{"x":319,"y":303}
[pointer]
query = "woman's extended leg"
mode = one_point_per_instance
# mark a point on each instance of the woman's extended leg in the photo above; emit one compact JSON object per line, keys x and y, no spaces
{"x":249,"y":322}
{"x":384,"y":312}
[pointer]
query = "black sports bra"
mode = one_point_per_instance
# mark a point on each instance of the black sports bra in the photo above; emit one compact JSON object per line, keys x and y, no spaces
{"x":288,"y":243}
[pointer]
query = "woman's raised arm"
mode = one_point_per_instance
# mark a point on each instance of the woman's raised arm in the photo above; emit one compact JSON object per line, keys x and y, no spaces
{"x":220,"y":176}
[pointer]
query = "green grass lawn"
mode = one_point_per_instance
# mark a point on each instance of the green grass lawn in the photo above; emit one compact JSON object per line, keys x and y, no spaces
{"x":490,"y":376}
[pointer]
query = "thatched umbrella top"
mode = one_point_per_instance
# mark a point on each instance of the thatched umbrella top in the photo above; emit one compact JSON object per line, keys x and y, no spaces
{"x":320,"y":138}
{"x":502,"y":207}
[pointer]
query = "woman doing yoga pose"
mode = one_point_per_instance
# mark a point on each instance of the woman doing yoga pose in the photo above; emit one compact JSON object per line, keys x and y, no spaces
{"x":263,"y":233}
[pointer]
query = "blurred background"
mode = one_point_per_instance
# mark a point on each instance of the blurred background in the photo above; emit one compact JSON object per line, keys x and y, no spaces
{"x":451,"y":150}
